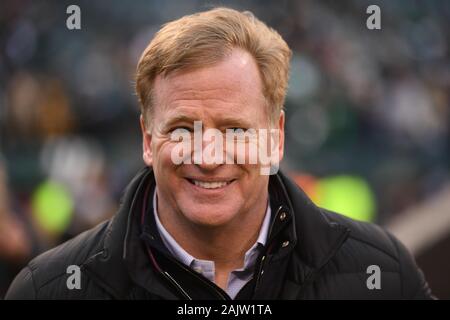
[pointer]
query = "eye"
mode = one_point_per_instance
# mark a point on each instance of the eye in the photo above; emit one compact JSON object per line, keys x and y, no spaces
{"x":237,"y":129}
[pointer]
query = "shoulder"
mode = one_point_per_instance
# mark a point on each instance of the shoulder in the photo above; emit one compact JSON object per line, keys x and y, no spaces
{"x":50,"y":269}
{"x":366,"y":235}
{"x":371,"y":246}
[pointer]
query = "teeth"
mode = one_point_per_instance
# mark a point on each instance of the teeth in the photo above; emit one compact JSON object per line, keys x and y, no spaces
{"x":210,"y":185}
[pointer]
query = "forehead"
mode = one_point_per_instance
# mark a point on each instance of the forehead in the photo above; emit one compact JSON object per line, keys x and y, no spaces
{"x":230,"y":84}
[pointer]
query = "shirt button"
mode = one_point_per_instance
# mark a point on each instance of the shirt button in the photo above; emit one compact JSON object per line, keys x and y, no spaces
{"x":283,"y":216}
{"x":285,"y":244}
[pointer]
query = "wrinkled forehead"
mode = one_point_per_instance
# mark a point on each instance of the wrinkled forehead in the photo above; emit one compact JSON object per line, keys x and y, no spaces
{"x":234,"y":79}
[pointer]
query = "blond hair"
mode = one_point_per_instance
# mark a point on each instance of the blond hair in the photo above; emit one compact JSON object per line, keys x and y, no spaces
{"x":205,"y":38}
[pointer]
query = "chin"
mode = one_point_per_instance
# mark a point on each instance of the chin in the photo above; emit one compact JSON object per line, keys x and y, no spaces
{"x":210,"y":216}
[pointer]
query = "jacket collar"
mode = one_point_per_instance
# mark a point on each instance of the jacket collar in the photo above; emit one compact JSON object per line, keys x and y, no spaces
{"x":313,"y":240}
{"x":121,"y":255}
{"x":122,"y":263}
{"x":317,"y":237}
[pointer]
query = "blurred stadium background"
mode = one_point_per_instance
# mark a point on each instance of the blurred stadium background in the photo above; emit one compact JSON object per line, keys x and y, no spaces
{"x":367,"y":116}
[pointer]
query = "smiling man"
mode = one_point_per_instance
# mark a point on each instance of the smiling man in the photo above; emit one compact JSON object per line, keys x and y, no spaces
{"x":221,"y":229}
{"x":221,"y":205}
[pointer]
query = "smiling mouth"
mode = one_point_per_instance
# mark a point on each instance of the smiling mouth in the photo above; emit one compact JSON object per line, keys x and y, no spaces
{"x":210,"y":184}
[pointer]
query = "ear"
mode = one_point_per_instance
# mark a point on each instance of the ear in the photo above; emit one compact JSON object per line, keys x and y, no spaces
{"x":281,"y":137}
{"x":147,"y":155}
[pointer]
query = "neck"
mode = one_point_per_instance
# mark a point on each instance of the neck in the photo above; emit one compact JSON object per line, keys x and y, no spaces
{"x":226,"y":245}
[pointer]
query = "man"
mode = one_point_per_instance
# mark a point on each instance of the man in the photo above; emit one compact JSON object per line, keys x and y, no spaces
{"x":197,"y":229}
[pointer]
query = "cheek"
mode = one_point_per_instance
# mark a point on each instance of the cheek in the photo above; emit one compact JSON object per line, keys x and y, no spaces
{"x":162,"y":150}
{"x":253,"y":181}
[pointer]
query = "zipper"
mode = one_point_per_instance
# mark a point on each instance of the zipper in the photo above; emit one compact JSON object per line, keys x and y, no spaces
{"x":271,"y":237}
{"x":168,"y":277}
{"x":260,"y":269}
{"x":199,"y":277}
{"x":172,"y":280}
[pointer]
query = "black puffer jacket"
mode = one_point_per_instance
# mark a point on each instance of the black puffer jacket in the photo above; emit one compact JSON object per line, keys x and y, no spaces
{"x":310,"y":254}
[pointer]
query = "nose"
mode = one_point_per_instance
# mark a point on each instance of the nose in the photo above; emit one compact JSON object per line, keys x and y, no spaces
{"x":209,"y":154}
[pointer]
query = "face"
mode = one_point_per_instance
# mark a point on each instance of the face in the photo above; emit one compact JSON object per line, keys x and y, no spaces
{"x":224,"y":96}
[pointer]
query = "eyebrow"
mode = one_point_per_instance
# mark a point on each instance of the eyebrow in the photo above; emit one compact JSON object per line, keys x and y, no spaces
{"x":222,"y":122}
{"x":235,"y":122}
{"x":179,"y":118}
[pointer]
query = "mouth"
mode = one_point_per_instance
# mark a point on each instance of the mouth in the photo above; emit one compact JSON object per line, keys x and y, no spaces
{"x":210,"y":185}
